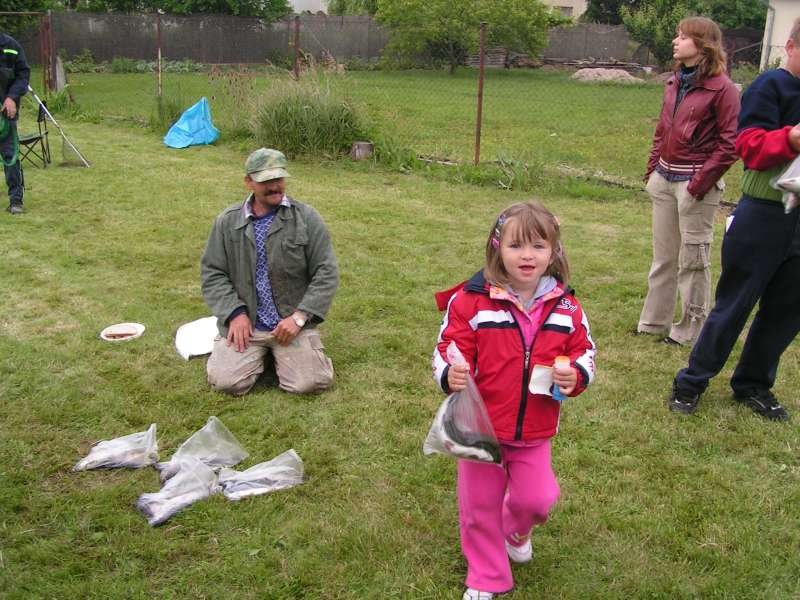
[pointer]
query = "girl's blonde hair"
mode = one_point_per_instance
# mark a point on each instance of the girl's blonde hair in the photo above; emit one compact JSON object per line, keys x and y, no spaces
{"x":707,"y":37}
{"x":527,"y":222}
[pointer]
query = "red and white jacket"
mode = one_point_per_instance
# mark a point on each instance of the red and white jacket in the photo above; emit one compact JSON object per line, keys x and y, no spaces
{"x":490,"y":339}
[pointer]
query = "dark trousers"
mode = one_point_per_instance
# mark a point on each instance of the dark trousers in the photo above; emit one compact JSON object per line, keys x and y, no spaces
{"x":760,"y":264}
{"x":14,"y":172}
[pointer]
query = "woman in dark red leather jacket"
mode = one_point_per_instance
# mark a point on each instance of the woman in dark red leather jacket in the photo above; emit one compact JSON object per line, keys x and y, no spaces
{"x":693,"y":146}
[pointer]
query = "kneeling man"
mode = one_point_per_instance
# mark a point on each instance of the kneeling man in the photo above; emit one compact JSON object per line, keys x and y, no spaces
{"x":269,"y":275}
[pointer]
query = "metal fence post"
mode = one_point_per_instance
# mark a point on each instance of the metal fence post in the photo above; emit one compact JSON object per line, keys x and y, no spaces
{"x":158,"y":51}
{"x":51,"y":49}
{"x":44,"y":49}
{"x":480,"y":94}
{"x":297,"y":47}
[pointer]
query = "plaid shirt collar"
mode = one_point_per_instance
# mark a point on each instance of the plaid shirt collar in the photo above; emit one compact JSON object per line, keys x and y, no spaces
{"x":247,"y":206}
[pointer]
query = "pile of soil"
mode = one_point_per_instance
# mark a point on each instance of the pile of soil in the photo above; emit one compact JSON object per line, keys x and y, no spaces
{"x":617,"y":75}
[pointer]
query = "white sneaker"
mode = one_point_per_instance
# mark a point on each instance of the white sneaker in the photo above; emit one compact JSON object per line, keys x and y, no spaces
{"x":473,"y":594}
{"x":520,"y":554}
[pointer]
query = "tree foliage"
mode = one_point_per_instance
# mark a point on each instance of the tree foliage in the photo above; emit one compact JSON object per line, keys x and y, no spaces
{"x":268,"y":10}
{"x":654,"y":24}
{"x":352,"y":7}
{"x":446,"y":32}
{"x":727,"y":13}
{"x":607,"y":11}
{"x":15,"y":25}
{"x":732,"y":13}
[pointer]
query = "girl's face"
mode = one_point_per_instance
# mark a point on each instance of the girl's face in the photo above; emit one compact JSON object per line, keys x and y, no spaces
{"x":684,"y":50}
{"x":525,"y":262}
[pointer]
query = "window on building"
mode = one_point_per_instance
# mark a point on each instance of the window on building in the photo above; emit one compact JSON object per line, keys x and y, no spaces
{"x":565,"y":10}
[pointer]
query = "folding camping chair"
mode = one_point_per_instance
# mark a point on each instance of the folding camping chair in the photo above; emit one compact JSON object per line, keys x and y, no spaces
{"x":35,"y":147}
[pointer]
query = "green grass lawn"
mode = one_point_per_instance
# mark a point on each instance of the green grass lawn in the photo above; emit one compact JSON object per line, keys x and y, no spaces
{"x":653,"y":504}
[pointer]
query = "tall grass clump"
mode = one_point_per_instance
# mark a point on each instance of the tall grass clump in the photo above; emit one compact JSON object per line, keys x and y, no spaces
{"x":232,"y":93}
{"x":167,"y":110}
{"x":306,"y":118}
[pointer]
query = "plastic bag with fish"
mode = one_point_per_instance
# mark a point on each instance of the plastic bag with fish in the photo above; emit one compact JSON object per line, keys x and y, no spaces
{"x":461,"y":427}
{"x":788,"y":182}
{"x":191,"y":482}
{"x":132,"y":451}
{"x":283,"y":471}
{"x":213,"y":445}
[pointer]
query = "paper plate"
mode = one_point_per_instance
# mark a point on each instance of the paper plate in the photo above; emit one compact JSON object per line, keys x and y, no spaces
{"x":122,"y":332}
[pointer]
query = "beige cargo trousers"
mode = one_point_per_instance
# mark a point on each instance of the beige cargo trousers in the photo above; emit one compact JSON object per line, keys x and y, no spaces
{"x":683,"y":229}
{"x":301,"y":366}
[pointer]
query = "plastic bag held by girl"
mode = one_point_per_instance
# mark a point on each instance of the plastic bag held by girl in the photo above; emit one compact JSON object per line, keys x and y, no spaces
{"x":283,"y":471}
{"x":213,"y":445}
{"x":461,"y":427}
{"x":788,"y":182}
{"x":132,"y":451}
{"x":192,"y":481}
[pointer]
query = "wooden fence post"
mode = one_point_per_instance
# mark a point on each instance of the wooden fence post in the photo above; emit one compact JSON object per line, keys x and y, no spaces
{"x":480,"y":94}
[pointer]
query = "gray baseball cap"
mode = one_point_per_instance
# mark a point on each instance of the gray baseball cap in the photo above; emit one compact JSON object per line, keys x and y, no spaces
{"x":265,"y":164}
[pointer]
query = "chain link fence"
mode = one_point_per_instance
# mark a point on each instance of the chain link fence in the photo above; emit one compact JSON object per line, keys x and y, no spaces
{"x":533,"y":111}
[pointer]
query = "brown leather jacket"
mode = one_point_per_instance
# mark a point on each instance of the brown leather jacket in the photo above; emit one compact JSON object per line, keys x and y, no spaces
{"x":701,"y":133}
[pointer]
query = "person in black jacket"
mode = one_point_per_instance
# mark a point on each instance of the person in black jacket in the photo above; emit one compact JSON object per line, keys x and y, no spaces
{"x":760,"y":254}
{"x":14,"y":76}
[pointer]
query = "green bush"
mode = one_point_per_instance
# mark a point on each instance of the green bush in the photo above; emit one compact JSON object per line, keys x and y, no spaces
{"x":83,"y":62}
{"x":744,"y":73}
{"x":168,"y":109}
{"x":120,"y":64}
{"x":306,"y":118}
{"x":180,"y":66}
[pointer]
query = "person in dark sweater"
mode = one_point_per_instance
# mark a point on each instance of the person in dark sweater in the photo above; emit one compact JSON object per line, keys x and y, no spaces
{"x":693,"y":146}
{"x":760,"y":254}
{"x":14,"y":76}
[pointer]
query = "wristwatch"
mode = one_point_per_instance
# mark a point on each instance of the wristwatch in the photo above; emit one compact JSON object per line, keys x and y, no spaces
{"x":299,"y":319}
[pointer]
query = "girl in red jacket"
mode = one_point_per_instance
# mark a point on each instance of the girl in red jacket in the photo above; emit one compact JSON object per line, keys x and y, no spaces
{"x":510,"y":321}
{"x":693,"y":146}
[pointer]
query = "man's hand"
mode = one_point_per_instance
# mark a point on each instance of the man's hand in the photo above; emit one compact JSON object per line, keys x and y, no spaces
{"x":794,"y":138}
{"x":10,"y":108}
{"x":457,"y":377}
{"x":240,"y":330}
{"x":286,"y":331}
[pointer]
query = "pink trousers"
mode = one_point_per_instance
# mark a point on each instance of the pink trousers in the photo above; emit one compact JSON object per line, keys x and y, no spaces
{"x":498,"y":504}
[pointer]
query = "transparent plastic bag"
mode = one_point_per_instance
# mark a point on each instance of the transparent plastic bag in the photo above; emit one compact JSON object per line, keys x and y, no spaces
{"x":462,"y":427}
{"x":132,"y":451}
{"x":283,"y":471}
{"x":192,"y":481}
{"x":213,"y":445}
{"x":788,"y":182}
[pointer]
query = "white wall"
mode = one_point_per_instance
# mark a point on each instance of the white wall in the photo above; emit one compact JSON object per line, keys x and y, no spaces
{"x":776,"y":32}
{"x":578,"y":6}
{"x":314,"y":6}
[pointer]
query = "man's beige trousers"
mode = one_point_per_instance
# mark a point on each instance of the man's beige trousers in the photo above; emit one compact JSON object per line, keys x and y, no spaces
{"x":301,"y":367}
{"x":683,"y":229}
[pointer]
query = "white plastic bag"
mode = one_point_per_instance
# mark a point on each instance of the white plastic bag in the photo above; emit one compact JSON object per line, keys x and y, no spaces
{"x":191,"y":482}
{"x":196,"y":338}
{"x":213,"y":445}
{"x":132,"y":451}
{"x":462,"y":427}
{"x":788,"y":182}
{"x":283,"y":471}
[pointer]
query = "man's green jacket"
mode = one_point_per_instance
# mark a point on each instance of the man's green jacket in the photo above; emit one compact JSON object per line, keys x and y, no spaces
{"x":302,"y":266}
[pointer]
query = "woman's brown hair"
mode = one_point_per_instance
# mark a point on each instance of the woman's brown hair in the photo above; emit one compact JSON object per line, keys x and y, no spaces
{"x":527,"y":222}
{"x":707,"y":37}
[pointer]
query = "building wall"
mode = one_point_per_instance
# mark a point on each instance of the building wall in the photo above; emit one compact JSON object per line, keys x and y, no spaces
{"x":776,"y":32}
{"x":313,"y":6}
{"x":570,"y":8}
